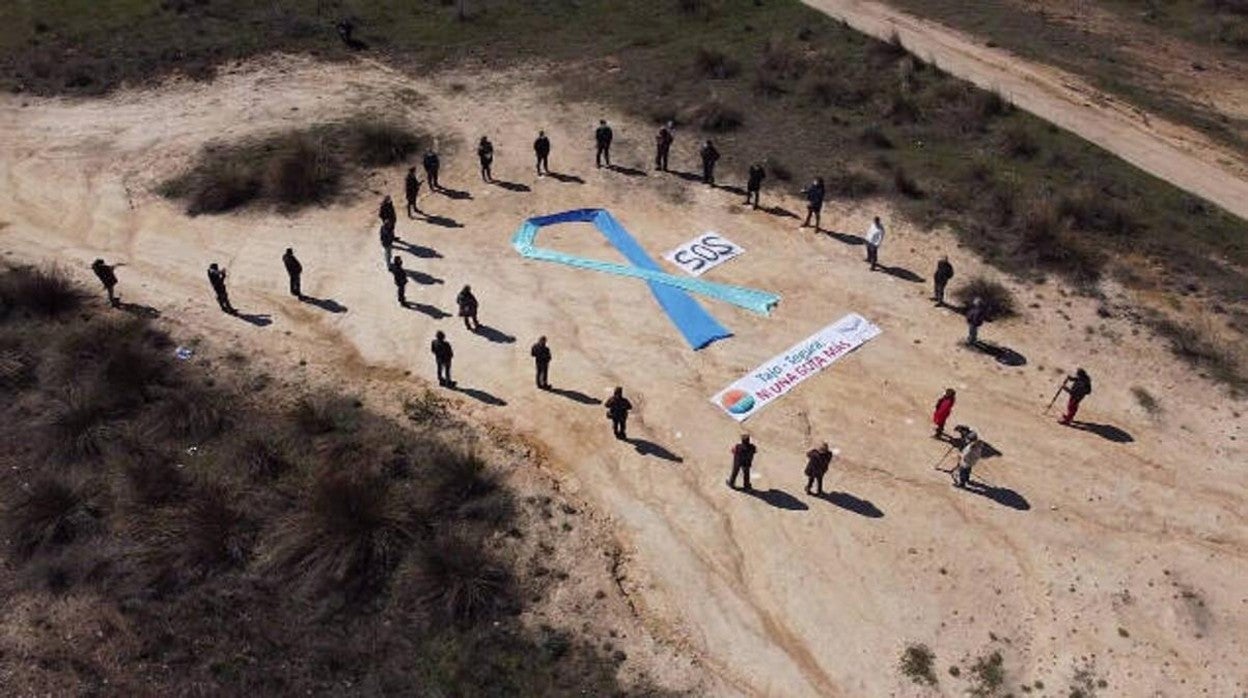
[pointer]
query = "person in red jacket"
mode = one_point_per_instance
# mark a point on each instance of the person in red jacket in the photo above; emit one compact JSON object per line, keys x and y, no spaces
{"x":944,"y":407}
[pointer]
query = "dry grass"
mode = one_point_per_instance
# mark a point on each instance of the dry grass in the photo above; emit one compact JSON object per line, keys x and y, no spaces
{"x":998,"y":299}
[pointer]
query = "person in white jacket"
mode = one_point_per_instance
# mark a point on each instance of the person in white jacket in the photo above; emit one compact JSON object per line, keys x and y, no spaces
{"x":972,"y":451}
{"x":875,"y":238}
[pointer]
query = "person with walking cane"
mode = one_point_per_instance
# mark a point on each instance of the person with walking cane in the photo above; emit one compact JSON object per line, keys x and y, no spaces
{"x":972,"y":451}
{"x":1079,"y":386}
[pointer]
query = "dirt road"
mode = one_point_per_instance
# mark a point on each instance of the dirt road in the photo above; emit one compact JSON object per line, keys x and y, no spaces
{"x":1177,"y":154}
{"x":1119,"y":550}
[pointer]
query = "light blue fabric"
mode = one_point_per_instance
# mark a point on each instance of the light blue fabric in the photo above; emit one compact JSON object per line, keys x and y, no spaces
{"x":697,"y":326}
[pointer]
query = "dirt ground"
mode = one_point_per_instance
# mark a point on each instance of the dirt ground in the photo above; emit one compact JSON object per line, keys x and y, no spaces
{"x":1117,"y":552}
{"x":1170,"y":151}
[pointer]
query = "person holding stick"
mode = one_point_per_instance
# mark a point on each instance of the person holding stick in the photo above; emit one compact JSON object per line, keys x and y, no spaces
{"x":1078,"y":386}
{"x":972,"y":451}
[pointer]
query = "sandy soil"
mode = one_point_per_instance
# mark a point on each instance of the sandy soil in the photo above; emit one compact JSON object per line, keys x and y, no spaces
{"x":1170,"y":151}
{"x":1125,"y":559}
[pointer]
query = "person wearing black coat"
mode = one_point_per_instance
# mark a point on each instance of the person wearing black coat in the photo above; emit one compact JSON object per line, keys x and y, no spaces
{"x":107,"y":276}
{"x":817,"y":462}
{"x":1078,"y":386}
{"x":662,"y":146}
{"x":603,"y":136}
{"x":485,"y":153}
{"x":541,"y":149}
{"x":468,"y":308}
{"x":814,"y":202}
{"x":940,"y":279}
{"x":216,"y":277}
{"x":754,"y":184}
{"x":411,"y":189}
{"x":442,"y":355}
{"x":976,"y":315}
{"x":541,"y":359}
{"x":293,"y":269}
{"x":618,"y":408}
{"x":710,"y":156}
{"x":386,"y":211}
{"x":432,"y":164}
{"x":742,"y":461}
{"x":400,"y":279}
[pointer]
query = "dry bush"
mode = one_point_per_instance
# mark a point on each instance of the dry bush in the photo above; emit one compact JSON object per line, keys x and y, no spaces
{"x":43,"y":292}
{"x":326,"y":413}
{"x":906,"y":185}
{"x":1018,"y":142}
{"x":875,"y":137}
{"x":1096,"y":210}
{"x":715,"y":117}
{"x":264,"y":457}
{"x":901,"y":109}
{"x":197,"y":537}
{"x":18,"y":368}
{"x":152,"y":479}
{"x":347,"y":536}
{"x":380,"y":143}
{"x":887,"y":51}
{"x":78,"y":426}
{"x":782,"y":60}
{"x":458,"y":582}
{"x":1044,"y":242}
{"x":716,"y":64}
{"x":48,"y":513}
{"x":852,"y":184}
{"x":998,"y":300}
{"x":455,"y":478}
{"x":188,"y":413}
{"x":301,"y":170}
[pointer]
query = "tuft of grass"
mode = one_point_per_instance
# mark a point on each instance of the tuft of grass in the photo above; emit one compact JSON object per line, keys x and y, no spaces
{"x":456,"y":478}
{"x":1146,"y":400}
{"x":78,"y":426}
{"x":998,"y":299}
{"x":323,"y":413}
{"x":264,"y":457}
{"x":49,"y":513}
{"x":459,"y":582}
{"x":852,"y":184}
{"x":716,"y":64}
{"x":918,"y":663}
{"x":715,"y":117}
{"x":987,"y":675}
{"x":379,"y":143}
{"x":41,"y":292}
{"x":426,"y":406}
{"x":188,"y":413}
{"x":1195,"y":345}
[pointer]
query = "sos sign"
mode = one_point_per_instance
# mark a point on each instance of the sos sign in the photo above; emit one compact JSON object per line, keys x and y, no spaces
{"x":703,"y":253}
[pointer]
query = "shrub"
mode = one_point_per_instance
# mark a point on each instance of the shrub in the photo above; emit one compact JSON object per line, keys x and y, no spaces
{"x":987,"y":675}
{"x":17,"y":369}
{"x":348,"y":536}
{"x":215,"y":185}
{"x":902,"y":109}
{"x":378,"y":143}
{"x":456,"y":478}
{"x":301,"y":171}
{"x":78,"y":426}
{"x":716,"y":64}
{"x":425,"y":406}
{"x":852,"y":184}
{"x":50,"y":512}
{"x":779,"y":170}
{"x":998,"y":299}
{"x":875,"y":137}
{"x":1018,"y":142}
{"x":1093,"y":210}
{"x":716,"y":117}
{"x":457,"y":581}
{"x":782,"y":60}
{"x":205,"y":534}
{"x":1146,"y":400}
{"x":906,"y":185}
{"x":187,"y":413}
{"x":325,"y":413}
{"x":263,"y":457}
{"x":46,"y":292}
{"x":918,"y":664}
{"x":153,"y":479}
{"x":888,"y":51}
{"x":767,"y":86}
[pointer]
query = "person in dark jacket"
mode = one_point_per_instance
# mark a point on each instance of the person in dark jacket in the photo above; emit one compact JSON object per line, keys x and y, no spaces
{"x":754,"y":184}
{"x":817,"y":462}
{"x":411,"y":189}
{"x":1078,"y":386}
{"x":386,"y":212}
{"x":442,"y":355}
{"x":387,"y":237}
{"x":293,"y":269}
{"x":710,"y":156}
{"x":662,"y":146}
{"x":541,"y":359}
{"x":216,"y":277}
{"x":468,"y":308}
{"x":742,"y":461}
{"x":400,"y":279}
{"x":940,"y":279}
{"x":618,"y":408}
{"x":603,"y":136}
{"x":541,"y":148}
{"x":485,"y":153}
{"x":814,"y":202}
{"x":107,"y":276}
{"x":976,"y":315}
{"x":432,"y":164}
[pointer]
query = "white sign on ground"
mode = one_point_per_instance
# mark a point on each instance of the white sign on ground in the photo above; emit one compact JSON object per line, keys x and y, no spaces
{"x":703,"y":253}
{"x":782,"y":373}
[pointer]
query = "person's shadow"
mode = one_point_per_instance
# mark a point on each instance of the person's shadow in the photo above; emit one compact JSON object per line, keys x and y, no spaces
{"x":731,"y":189}
{"x":327,"y":304}
{"x":1001,"y":495}
{"x":575,"y":396}
{"x":845,"y":238}
{"x":456,"y":194}
{"x":1105,"y":431}
{"x":416,"y":250}
{"x":650,"y":448}
{"x":778,"y":499}
{"x":442,"y":221}
{"x":849,"y":502}
{"x":432,"y":311}
{"x":778,"y":211}
{"x":139,"y":310}
{"x":481,"y":396}
{"x":257,"y":319}
{"x":494,"y":335}
{"x":565,"y":178}
{"x":901,"y":273}
{"x":627,"y":171}
{"x":422,"y":278}
{"x":1003,"y":354}
{"x":511,"y":186}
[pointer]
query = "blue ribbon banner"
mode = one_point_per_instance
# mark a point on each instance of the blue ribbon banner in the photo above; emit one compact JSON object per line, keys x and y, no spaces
{"x":672,"y":292}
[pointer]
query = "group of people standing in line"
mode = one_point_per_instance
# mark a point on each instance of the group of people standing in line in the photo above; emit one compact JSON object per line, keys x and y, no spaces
{"x":618,"y":407}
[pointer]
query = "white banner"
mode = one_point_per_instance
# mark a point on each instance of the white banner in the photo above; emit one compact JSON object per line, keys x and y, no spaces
{"x":703,"y":253}
{"x":801,"y":361}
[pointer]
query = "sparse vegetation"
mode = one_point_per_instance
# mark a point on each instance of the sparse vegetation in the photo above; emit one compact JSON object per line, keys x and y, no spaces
{"x":918,"y":663}
{"x":987,"y":675}
{"x":290,"y":169}
{"x":1147,"y":402}
{"x":258,"y":548}
{"x":998,"y":299}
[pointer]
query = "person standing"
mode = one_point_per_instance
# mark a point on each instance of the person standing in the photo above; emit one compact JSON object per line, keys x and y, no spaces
{"x":603,"y":136}
{"x":468,"y":308}
{"x":442,"y":356}
{"x":975,"y":316}
{"x":754,"y":184}
{"x":400,"y":279}
{"x":541,"y":148}
{"x":618,"y":408}
{"x":386,"y":212}
{"x":940,"y":279}
{"x":662,"y":146}
{"x":107,"y":276}
{"x":387,"y":236}
{"x":1078,"y":386}
{"x":814,"y":202}
{"x":216,"y":277}
{"x":944,"y":408}
{"x":875,"y":238}
{"x":742,"y":461}
{"x":817,"y":462}
{"x":541,"y":359}
{"x":293,"y":269}
{"x":710,"y":156}
{"x":485,"y":153}
{"x":432,"y":164}
{"x":972,"y":451}
{"x":411,"y":188}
